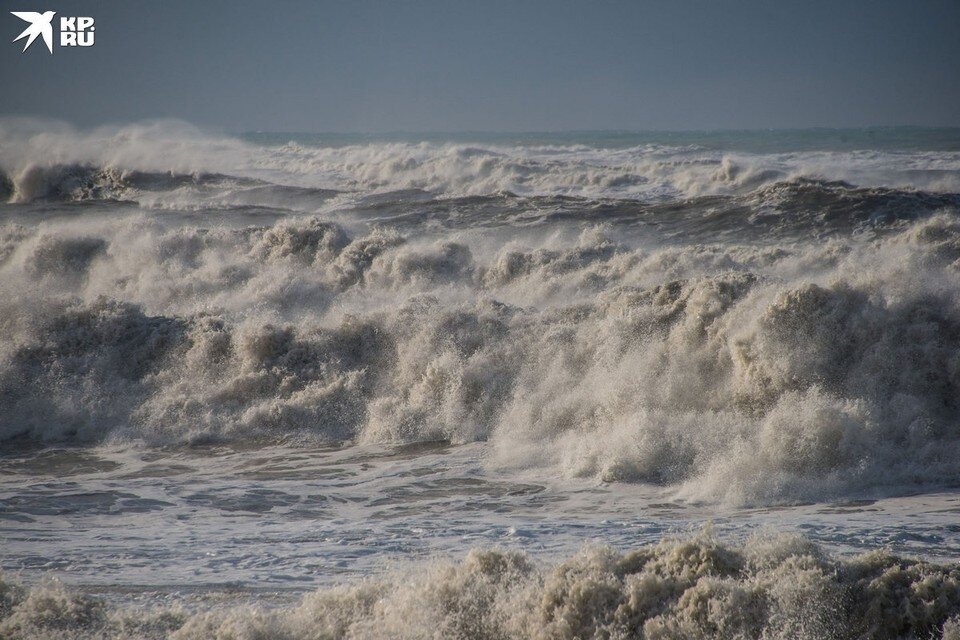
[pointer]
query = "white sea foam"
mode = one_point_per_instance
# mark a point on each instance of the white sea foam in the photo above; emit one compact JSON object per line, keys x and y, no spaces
{"x":42,"y":158}
{"x":732,"y":372}
{"x":769,"y":587}
{"x":703,"y":343}
{"x":296,"y":360}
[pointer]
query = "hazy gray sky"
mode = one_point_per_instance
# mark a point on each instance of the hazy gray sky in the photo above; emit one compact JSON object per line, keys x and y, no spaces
{"x":510,"y":65}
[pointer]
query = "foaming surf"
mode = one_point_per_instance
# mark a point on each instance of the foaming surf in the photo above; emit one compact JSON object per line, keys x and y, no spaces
{"x":770,"y":587}
{"x":733,"y":371}
{"x":530,"y":342}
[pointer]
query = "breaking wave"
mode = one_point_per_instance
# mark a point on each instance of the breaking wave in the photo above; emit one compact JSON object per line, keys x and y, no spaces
{"x":750,"y":328}
{"x":769,"y":587}
{"x":43,"y":159}
{"x":742,"y":372}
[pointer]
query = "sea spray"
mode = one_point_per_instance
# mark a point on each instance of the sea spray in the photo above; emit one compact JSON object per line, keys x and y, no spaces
{"x":734,"y":372}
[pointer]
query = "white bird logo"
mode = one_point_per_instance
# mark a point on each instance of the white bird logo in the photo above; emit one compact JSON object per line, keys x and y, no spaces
{"x":40,"y":25}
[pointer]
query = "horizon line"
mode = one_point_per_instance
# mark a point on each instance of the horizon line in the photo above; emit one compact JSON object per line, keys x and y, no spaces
{"x":593,"y":131}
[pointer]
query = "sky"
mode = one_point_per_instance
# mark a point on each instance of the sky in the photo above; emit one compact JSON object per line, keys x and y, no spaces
{"x":519,"y":65}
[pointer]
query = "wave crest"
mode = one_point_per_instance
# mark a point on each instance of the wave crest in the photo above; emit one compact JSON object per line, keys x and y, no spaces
{"x":730,"y":372}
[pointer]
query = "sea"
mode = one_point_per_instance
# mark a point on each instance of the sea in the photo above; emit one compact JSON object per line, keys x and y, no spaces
{"x":571,"y":385}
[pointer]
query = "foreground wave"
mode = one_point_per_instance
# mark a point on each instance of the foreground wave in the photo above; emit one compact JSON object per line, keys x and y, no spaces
{"x":770,"y":587}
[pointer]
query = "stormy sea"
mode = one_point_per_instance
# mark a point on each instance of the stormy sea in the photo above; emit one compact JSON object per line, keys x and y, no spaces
{"x":483,"y":386}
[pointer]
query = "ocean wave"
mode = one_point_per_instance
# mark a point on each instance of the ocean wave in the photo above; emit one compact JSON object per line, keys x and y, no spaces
{"x":785,"y":208}
{"x":80,"y":183}
{"x":736,"y":372}
{"x":736,"y":327}
{"x":826,"y":206}
{"x":34,"y":153}
{"x":769,"y":587}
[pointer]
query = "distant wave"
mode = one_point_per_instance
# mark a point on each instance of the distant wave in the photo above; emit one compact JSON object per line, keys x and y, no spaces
{"x":769,"y":587}
{"x":79,"y":183}
{"x":797,"y":206}
{"x":31,"y":151}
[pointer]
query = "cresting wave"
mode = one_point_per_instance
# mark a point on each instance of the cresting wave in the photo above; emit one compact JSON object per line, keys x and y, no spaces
{"x":746,"y":335}
{"x":769,"y":587}
{"x":738,"y":372}
{"x":788,"y":208}
{"x":40,"y":158}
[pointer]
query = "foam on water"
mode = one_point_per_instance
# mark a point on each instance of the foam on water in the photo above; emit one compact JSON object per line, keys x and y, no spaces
{"x":779,"y":587}
{"x":718,"y":329}
{"x":733,"y":372}
{"x":41,"y":158}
